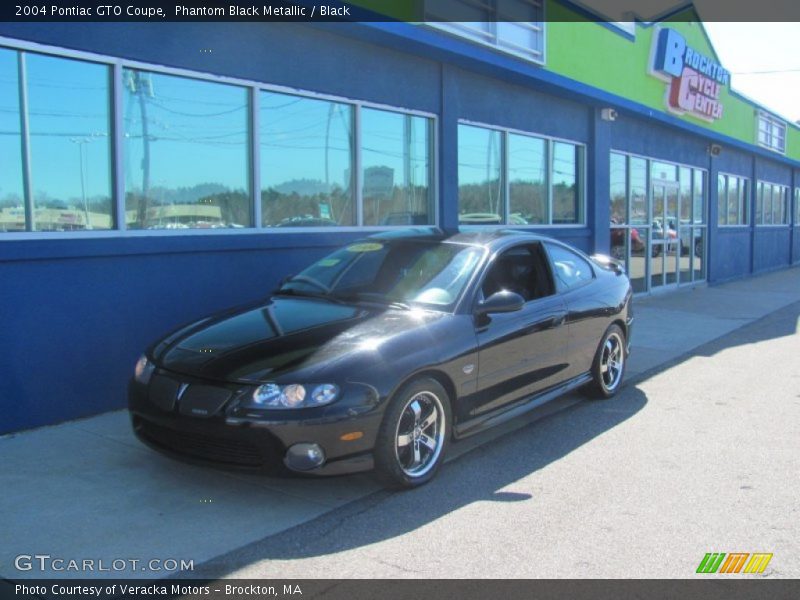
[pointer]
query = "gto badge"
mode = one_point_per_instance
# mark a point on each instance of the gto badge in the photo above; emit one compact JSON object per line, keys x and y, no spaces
{"x":468,"y":369}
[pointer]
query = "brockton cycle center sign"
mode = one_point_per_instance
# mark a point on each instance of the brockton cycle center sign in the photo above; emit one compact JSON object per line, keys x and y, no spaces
{"x":694,"y":81}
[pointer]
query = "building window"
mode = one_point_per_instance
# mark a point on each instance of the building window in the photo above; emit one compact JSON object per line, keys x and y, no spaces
{"x":797,"y":207}
{"x":732,"y":200}
{"x":772,"y":204}
{"x":396,"y":169}
{"x":513,"y":26}
{"x":517,"y":179}
{"x":307,"y":162}
{"x":657,"y":223}
{"x":771,"y":132}
{"x":186,"y":152}
{"x":12,"y":190}
{"x":57,"y":127}
{"x":198,"y":153}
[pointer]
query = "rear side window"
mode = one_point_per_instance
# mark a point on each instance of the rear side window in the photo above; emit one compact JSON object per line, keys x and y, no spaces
{"x":570,"y":270}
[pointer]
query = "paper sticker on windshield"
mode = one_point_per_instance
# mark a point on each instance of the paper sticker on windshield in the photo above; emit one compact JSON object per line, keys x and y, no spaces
{"x":365,"y":247}
{"x":328,"y":262}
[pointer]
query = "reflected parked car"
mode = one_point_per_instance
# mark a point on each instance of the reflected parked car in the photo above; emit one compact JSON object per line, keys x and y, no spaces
{"x":382,"y":353}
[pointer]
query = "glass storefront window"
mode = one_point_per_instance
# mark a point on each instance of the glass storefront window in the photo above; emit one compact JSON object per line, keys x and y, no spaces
{"x":772,"y":204}
{"x":396,"y":168}
{"x":638,"y":215}
{"x":618,"y":196}
{"x":538,"y":179}
{"x":566,"y":196}
{"x":527,"y":181}
{"x":12,"y":193}
{"x":70,"y":143}
{"x":663,"y":171}
{"x":698,"y":193}
{"x":685,"y":175}
{"x":732,"y":200}
{"x":480,"y":187}
{"x":186,"y":152}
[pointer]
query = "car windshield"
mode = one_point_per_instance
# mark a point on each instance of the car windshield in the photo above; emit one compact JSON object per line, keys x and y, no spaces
{"x":393,"y":272}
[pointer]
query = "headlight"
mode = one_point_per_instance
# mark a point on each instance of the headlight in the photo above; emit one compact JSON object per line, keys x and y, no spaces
{"x":294,"y":395}
{"x":143,"y":370}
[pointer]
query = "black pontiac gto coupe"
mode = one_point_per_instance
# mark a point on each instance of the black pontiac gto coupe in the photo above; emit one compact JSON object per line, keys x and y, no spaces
{"x":378,"y":355}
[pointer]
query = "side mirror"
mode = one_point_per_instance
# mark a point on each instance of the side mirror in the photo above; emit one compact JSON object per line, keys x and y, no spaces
{"x":501,"y":302}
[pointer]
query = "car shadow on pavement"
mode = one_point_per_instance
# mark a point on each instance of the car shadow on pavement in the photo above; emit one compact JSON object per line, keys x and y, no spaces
{"x":479,"y":475}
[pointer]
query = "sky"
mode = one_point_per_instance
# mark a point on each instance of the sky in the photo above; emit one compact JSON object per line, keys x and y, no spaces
{"x":748,"y":50}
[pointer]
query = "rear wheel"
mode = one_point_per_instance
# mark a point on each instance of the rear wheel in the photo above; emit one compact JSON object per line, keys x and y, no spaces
{"x":414,"y":435}
{"x":608,"y":367}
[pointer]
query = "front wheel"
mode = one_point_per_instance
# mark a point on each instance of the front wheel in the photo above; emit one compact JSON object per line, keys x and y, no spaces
{"x":608,"y":367}
{"x":413,"y":435}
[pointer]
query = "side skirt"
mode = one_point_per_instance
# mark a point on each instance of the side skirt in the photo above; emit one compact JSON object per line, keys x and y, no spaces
{"x":484,"y":422}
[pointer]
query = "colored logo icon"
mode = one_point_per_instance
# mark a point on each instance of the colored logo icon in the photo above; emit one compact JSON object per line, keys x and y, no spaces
{"x":734,"y":562}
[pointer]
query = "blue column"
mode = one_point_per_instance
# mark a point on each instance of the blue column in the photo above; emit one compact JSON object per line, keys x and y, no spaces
{"x":448,"y":151}
{"x":598,"y":211}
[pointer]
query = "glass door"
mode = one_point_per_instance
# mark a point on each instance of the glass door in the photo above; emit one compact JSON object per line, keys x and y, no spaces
{"x":665,"y":235}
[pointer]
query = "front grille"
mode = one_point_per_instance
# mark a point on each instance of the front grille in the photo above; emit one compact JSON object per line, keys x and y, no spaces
{"x":198,"y":445}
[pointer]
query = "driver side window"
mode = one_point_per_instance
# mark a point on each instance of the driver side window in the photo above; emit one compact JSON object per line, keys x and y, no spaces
{"x":522,"y":270}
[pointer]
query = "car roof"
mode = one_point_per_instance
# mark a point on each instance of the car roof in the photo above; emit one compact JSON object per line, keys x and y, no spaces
{"x":474,"y":236}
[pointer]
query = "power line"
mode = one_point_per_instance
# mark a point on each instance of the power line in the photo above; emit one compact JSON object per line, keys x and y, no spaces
{"x":769,"y":72}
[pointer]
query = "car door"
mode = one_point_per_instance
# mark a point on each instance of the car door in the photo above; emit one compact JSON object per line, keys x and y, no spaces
{"x":523,"y":352}
{"x":586,"y":313}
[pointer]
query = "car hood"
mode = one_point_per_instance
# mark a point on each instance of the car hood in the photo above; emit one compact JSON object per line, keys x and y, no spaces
{"x":301,"y":336}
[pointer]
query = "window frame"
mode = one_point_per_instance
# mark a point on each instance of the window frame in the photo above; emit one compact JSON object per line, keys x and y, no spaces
{"x":581,"y":170}
{"x":758,"y":219}
{"x":491,"y":41}
{"x":115,"y":98}
{"x":745,"y":204}
{"x":771,"y":122}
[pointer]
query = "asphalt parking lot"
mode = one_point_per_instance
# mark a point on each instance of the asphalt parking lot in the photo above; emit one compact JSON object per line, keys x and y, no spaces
{"x":697,"y":454}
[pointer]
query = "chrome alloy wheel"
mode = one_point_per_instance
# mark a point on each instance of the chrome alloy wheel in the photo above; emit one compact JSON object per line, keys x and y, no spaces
{"x":420,"y":434}
{"x":612,"y":362}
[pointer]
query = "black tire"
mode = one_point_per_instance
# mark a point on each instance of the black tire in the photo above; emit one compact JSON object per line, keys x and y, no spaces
{"x":409,"y":465}
{"x":602,"y":385}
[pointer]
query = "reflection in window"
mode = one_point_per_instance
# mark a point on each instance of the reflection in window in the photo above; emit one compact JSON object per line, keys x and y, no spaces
{"x":566,"y":199}
{"x":618,"y":196}
{"x":396,"y":168}
{"x":70,"y":143}
{"x":698,"y":192}
{"x":186,"y":152}
{"x":12,"y":193}
{"x":480,"y":189}
{"x":685,"y":175}
{"x":306,"y":161}
{"x":772,"y":204}
{"x":638,"y":191}
{"x":569,"y":269}
{"x":665,"y":171}
{"x":732,"y":200}
{"x":797,"y":206}
{"x":527,"y":179}
{"x":543,"y":178}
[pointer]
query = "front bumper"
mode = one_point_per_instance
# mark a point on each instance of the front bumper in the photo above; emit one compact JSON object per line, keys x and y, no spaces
{"x":226,"y":438}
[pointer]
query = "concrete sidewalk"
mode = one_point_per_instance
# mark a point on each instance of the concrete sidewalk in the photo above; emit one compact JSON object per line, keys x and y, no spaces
{"x":88,"y":489}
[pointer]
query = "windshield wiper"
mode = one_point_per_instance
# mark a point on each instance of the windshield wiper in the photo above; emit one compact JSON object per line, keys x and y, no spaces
{"x":374,"y":298}
{"x":307,"y":294}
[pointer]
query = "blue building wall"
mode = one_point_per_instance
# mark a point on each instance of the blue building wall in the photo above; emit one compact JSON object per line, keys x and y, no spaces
{"x":79,"y":311}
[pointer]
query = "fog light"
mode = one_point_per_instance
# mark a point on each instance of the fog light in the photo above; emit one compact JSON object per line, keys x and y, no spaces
{"x":304,"y":457}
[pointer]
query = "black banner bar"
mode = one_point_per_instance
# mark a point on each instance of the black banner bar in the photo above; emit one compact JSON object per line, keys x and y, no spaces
{"x":398,"y":10}
{"x":734,"y":587}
